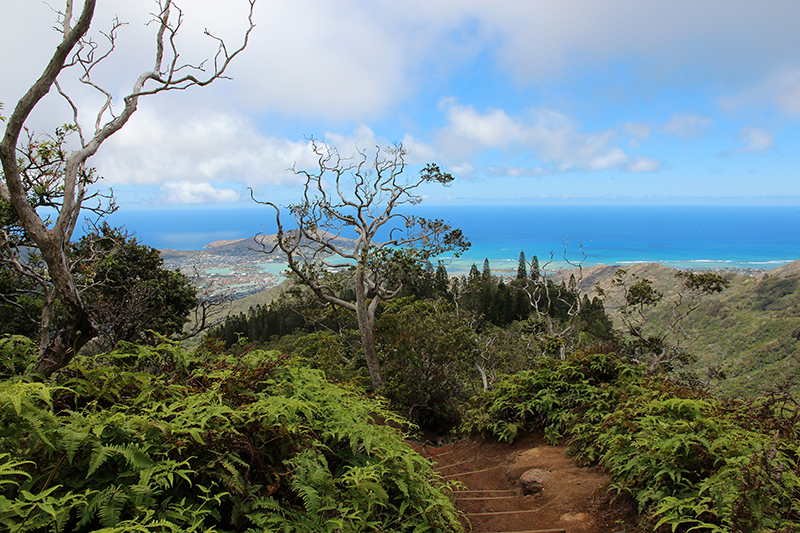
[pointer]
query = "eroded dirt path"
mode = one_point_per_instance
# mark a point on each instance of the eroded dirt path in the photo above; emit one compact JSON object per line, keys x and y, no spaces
{"x":493,"y":500}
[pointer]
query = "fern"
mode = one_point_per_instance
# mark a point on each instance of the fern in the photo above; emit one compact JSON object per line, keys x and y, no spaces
{"x":213,"y":443}
{"x":10,"y":469}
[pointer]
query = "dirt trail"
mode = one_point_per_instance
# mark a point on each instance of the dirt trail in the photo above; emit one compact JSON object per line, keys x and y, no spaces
{"x":493,"y":499}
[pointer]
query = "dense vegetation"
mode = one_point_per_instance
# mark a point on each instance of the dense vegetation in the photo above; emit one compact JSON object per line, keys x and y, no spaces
{"x":123,"y":284}
{"x":742,"y":340}
{"x":157,"y":439}
{"x":441,"y":343}
{"x":690,"y":461}
{"x":272,"y":426}
{"x":105,"y":425}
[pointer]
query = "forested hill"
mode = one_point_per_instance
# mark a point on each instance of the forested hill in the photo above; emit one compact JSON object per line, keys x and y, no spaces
{"x":750,"y":332}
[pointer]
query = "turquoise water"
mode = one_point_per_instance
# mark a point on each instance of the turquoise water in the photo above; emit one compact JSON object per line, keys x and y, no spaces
{"x":678,"y":236}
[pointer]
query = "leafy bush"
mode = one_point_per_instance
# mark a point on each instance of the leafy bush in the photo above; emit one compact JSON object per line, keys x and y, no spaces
{"x":692,"y":462}
{"x":697,"y":463}
{"x":155,"y":439}
{"x":428,"y":356}
{"x":553,"y":397}
{"x":17,"y":355}
{"x":339,"y":355}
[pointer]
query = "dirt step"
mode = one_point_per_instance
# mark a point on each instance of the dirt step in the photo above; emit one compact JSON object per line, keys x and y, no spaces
{"x":459,"y":475}
{"x":492,"y":522}
{"x":460,"y":464}
{"x":486,"y":505}
{"x":492,"y":500}
{"x":485,"y":493}
{"x":536,"y":531}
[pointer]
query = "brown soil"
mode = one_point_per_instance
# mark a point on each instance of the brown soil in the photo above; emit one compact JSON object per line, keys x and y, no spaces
{"x":492,"y":498}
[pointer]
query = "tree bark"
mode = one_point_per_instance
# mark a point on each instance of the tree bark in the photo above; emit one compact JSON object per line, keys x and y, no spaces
{"x":53,"y":241}
{"x":365,"y":315}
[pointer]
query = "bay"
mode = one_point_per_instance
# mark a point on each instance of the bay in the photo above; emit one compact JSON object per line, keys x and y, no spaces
{"x":737,"y":237}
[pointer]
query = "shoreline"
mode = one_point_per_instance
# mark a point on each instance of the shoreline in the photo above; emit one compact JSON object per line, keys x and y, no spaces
{"x":508,"y":267}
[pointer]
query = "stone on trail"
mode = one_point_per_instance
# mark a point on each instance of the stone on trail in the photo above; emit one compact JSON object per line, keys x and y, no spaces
{"x":534,"y":480}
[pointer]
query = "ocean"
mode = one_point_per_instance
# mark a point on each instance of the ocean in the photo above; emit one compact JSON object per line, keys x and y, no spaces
{"x":736,"y":237}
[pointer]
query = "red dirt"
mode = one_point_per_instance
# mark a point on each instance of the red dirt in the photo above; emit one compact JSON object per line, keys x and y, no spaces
{"x":493,"y":501}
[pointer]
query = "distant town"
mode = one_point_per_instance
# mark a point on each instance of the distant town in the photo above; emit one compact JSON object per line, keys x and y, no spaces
{"x":241,"y":268}
{"x":234,"y":268}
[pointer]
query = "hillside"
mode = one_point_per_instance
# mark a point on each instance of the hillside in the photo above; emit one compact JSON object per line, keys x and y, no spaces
{"x":750,"y":332}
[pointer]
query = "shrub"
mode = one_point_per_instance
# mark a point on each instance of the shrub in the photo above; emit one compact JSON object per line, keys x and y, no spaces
{"x":155,"y":439}
{"x":692,"y":462}
{"x":428,"y":356}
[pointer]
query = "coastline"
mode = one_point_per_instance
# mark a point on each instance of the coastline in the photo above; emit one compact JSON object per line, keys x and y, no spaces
{"x":508,"y":267}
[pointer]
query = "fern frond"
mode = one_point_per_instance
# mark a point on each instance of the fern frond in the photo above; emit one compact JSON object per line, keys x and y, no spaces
{"x":136,"y":458}
{"x":9,"y":468}
{"x":72,"y":439}
{"x":100,"y":455}
{"x":111,"y":509}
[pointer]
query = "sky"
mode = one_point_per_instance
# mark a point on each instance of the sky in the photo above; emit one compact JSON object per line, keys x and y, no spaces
{"x":523,"y":101}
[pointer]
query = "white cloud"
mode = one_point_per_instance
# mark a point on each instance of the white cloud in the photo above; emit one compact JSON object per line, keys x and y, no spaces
{"x":419,"y":152}
{"x":751,"y":140}
{"x":184,"y":192}
{"x":159,"y":147}
{"x":464,"y":170}
{"x":490,"y":129}
{"x":687,"y":125}
{"x":644,"y":164}
{"x":518,"y":171}
{"x":787,"y":95}
{"x":781,"y":89}
{"x":353,"y":59}
{"x":637,"y":133}
{"x":755,"y":140}
{"x":542,"y":134}
{"x":317,"y":65}
{"x":672,"y":40}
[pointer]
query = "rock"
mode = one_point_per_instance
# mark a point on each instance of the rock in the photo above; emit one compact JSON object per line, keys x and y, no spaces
{"x":534,"y":480}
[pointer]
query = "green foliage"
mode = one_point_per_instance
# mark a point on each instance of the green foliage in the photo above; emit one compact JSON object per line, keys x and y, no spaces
{"x":128,"y":290}
{"x":690,"y":461}
{"x":297,"y":310}
{"x":428,"y":353}
{"x":554,"y":316}
{"x":699,"y":464}
{"x":774,"y":293}
{"x":522,"y":267}
{"x":21,"y":273}
{"x":337,"y":354}
{"x":661,"y":344}
{"x":21,"y":298}
{"x":17,"y":354}
{"x":260,"y":323}
{"x":551,"y":397}
{"x":742,"y":341}
{"x":156,"y":439}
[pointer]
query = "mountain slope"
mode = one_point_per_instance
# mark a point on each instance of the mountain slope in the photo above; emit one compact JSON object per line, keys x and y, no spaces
{"x":750,"y":332}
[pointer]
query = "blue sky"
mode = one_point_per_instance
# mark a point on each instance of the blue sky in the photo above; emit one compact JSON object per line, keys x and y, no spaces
{"x":523,"y":101}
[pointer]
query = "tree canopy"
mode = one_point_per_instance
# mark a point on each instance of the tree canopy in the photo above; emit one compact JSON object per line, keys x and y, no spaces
{"x":345,"y":202}
{"x":127,"y":289}
{"x":30,"y":165}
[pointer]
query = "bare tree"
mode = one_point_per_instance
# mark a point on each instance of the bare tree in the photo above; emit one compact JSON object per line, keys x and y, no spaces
{"x":662,"y":344}
{"x":77,"y":51}
{"x":556,"y":308}
{"x":344,"y":205}
{"x":40,"y":161}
